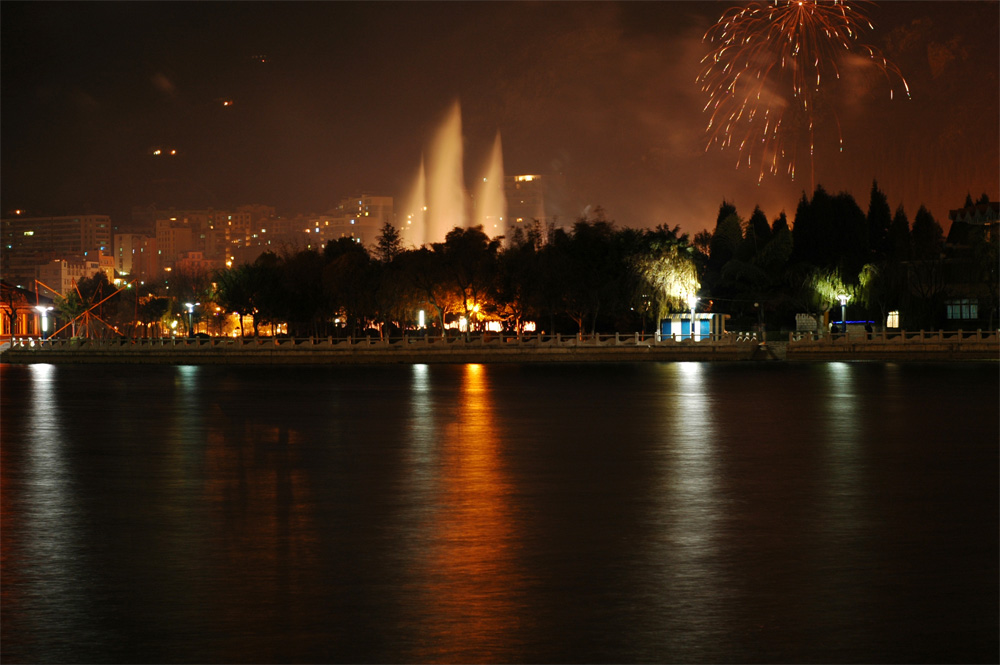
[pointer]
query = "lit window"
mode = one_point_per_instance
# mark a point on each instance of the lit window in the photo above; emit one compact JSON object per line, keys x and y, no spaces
{"x":963,"y":309}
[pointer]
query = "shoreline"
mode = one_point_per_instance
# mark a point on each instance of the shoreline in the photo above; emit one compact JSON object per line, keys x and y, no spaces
{"x":938,"y":346}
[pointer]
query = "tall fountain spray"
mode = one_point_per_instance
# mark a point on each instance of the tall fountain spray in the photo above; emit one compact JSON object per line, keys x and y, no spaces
{"x":414,"y":227}
{"x":438,"y":201}
{"x":445,"y":189}
{"x":491,"y":202}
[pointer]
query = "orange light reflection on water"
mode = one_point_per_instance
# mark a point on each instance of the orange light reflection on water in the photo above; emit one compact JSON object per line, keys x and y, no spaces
{"x":471,"y":575}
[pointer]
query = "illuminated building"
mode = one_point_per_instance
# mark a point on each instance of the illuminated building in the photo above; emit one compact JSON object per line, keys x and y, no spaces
{"x":360,"y":217}
{"x":217,"y":234}
{"x":60,"y":275}
{"x":32,"y":241}
{"x":173,"y":237}
{"x":706,"y":325}
{"x":135,"y":255}
{"x":531,"y":197}
{"x":194,"y":262}
{"x":984,"y":216}
{"x":20,"y":311}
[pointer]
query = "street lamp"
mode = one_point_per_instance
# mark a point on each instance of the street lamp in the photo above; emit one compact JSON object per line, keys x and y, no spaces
{"x":44,"y":311}
{"x":190,"y":308}
{"x":692,"y":303}
{"x":843,"y":311}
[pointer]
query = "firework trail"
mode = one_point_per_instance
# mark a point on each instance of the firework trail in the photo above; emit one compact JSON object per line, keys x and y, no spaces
{"x":769,"y":65}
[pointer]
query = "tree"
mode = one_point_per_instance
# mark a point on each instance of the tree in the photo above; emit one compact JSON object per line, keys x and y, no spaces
{"x":304,"y":304}
{"x":596,"y":272}
{"x":926,"y":271}
{"x":389,"y":244}
{"x":725,"y":241}
{"x":815,"y":232}
{"x":928,"y":238}
{"x":703,"y":242}
{"x":237,"y":290}
{"x":879,"y":219}
{"x":468,"y":259}
{"x":780,"y":223}
{"x":900,"y":242}
{"x":669,"y":274}
{"x":517,"y":277}
{"x":349,"y":280}
{"x":850,"y":248}
{"x":86,"y":304}
{"x":726,"y":209}
{"x":758,"y":232}
{"x":151,"y":309}
{"x":423,"y":270}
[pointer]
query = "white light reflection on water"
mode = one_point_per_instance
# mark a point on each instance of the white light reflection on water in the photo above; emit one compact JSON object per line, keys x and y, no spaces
{"x":422,"y":427}
{"x":186,"y":431}
{"x":684,"y":572}
{"x":843,"y":528}
{"x":842,"y":435}
{"x":51,"y":520}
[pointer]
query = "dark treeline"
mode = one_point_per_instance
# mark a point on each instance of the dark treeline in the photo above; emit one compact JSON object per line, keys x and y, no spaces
{"x":770,"y":272}
{"x":593,"y":277}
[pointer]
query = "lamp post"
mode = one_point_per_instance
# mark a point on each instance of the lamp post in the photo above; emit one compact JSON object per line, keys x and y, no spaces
{"x":843,"y":311}
{"x":44,"y":311}
{"x":190,"y":308}
{"x":692,"y":303}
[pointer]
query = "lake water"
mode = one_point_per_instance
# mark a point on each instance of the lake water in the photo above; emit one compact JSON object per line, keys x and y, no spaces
{"x":674,"y":512}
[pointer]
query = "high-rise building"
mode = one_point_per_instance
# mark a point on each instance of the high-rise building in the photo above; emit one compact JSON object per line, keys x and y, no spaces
{"x":360,"y":217}
{"x":217,"y":234}
{"x":533,"y":197}
{"x":32,"y":241}
{"x":135,"y":256}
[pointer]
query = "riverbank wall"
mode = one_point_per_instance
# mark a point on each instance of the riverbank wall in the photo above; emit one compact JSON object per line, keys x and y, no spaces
{"x":898,"y":346}
{"x":406,"y":350}
{"x":895,"y":346}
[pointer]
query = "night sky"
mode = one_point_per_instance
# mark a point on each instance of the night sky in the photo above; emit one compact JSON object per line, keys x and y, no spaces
{"x":347,"y":96}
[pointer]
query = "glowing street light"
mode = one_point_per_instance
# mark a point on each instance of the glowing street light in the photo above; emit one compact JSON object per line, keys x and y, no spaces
{"x":44,"y":311}
{"x":843,"y":310}
{"x":420,"y":319}
{"x":692,"y":303}
{"x":190,"y":308}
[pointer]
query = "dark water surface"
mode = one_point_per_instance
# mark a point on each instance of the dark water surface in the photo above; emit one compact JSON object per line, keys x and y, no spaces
{"x":676,"y":512}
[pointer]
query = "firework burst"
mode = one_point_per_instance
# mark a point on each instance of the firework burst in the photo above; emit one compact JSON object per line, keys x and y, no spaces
{"x":765,"y":77}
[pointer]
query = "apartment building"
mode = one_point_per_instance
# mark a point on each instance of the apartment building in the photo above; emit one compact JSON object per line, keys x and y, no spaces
{"x":32,"y":241}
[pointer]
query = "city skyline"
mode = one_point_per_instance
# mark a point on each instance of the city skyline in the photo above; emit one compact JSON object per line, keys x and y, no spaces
{"x":109,"y":105}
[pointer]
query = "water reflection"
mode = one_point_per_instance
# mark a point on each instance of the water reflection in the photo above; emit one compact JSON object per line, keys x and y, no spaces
{"x":422,"y":428}
{"x":643,"y":513}
{"x":467,"y":572}
{"x":846,"y":547}
{"x":259,"y":522}
{"x":688,"y":586}
{"x":49,"y":523}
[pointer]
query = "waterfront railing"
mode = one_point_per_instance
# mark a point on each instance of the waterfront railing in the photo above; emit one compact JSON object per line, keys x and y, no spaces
{"x":474,"y":340}
{"x":893,"y":337}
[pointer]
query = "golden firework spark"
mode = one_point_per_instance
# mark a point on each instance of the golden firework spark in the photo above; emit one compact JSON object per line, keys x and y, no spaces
{"x":766,"y":70}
